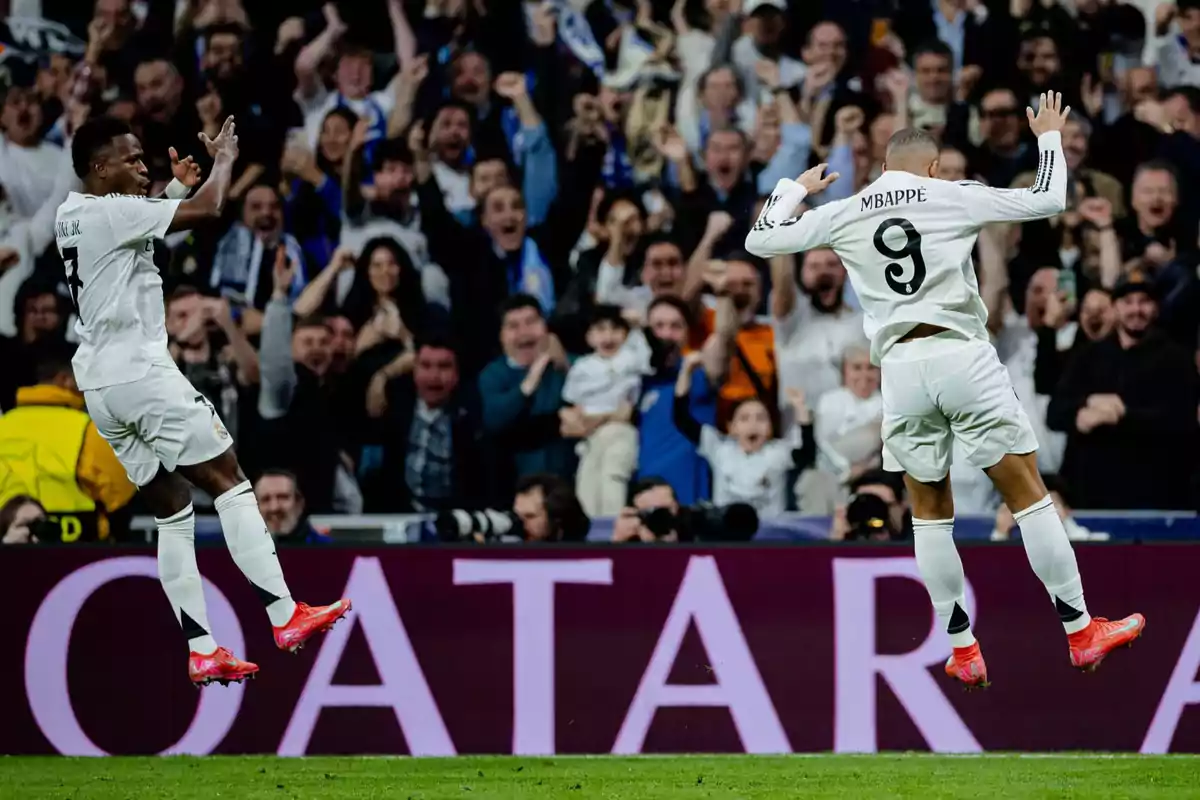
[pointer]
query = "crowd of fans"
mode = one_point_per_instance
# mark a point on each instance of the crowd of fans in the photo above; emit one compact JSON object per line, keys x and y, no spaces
{"x":483,"y":251}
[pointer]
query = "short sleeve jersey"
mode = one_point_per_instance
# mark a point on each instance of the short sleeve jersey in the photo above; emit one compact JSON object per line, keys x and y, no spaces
{"x":107,"y":246}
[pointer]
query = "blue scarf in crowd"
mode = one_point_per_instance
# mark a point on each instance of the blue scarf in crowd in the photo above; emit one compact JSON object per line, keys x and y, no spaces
{"x":532,"y":275}
{"x":575,"y":32}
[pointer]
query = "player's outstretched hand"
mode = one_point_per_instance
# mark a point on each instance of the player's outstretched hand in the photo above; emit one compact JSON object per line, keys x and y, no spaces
{"x":226,"y":142}
{"x":813,"y":182}
{"x":1051,"y":116}
{"x":186,"y":171}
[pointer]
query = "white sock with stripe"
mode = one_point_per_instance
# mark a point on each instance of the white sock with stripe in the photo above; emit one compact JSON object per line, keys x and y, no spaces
{"x":942,"y":572}
{"x":253,"y":550}
{"x":1053,"y":560}
{"x":180,"y":578}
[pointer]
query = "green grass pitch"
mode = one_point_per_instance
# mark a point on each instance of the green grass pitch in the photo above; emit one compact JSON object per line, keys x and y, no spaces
{"x":841,"y":777}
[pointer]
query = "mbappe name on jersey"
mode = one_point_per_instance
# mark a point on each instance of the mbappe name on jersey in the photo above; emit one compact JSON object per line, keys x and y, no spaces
{"x":878,"y":200}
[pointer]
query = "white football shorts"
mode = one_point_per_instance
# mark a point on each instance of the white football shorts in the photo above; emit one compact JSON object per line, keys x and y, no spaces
{"x":946,"y":387}
{"x":157,"y":419}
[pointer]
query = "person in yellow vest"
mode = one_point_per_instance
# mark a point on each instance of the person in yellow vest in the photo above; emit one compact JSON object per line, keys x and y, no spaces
{"x":51,"y":451}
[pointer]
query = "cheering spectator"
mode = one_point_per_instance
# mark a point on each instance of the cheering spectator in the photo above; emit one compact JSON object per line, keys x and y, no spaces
{"x":241,"y":269}
{"x":814,"y":327}
{"x":740,"y":354}
{"x":1003,"y":154}
{"x":1130,"y":440}
{"x":662,"y":449}
{"x":521,"y":392}
{"x":847,"y":432}
{"x":296,"y":396}
{"x":430,"y":434}
{"x":282,"y":507}
{"x":220,"y":370}
{"x":601,"y":389}
{"x":750,"y":465}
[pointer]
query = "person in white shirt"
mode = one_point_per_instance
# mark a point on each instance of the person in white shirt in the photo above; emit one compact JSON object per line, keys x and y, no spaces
{"x":906,"y":240}
{"x":813,"y":325}
{"x":749,"y":465}
{"x":847,"y":429}
{"x":29,"y":167}
{"x":165,"y":433}
{"x":603,"y":389}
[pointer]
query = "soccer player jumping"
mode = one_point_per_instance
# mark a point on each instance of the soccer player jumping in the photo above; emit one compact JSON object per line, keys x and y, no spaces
{"x":165,"y":433}
{"x":906,"y":241}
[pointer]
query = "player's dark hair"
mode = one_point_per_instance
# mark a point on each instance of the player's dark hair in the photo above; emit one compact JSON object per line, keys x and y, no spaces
{"x":933,"y":47}
{"x":92,"y":137}
{"x":646,"y":484}
{"x":517,"y":302}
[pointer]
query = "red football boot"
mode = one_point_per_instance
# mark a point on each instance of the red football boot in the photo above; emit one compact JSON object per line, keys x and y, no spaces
{"x":967,"y":665}
{"x":306,"y":622}
{"x":1090,"y":645}
{"x":219,"y":666}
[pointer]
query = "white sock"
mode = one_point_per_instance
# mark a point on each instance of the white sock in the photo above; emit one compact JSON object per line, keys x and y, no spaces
{"x":180,"y":578}
{"x":253,"y":550}
{"x":1053,"y":560}
{"x":941,"y":570}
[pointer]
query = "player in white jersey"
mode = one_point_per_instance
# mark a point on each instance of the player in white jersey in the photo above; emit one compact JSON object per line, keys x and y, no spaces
{"x":906,"y":241}
{"x":164,"y":432}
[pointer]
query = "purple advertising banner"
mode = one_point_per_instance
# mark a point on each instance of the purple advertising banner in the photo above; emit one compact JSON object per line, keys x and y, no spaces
{"x":596,"y":650}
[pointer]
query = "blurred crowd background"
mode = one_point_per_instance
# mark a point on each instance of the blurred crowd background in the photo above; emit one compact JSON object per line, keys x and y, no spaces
{"x":485,"y":254}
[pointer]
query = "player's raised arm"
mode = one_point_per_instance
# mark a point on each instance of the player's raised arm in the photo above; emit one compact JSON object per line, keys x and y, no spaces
{"x":209,"y":200}
{"x":1048,"y":195}
{"x":780,"y":229}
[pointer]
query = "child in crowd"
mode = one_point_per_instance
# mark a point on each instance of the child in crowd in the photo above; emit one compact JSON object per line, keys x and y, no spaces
{"x":848,"y":433}
{"x":748,"y":465}
{"x":601,"y":389}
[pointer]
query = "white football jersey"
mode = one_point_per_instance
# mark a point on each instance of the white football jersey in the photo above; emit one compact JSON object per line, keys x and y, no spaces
{"x":906,"y":242}
{"x":107,"y":245}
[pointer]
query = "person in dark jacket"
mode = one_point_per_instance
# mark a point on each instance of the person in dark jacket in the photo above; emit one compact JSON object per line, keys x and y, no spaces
{"x":1128,"y":406}
{"x":431,"y":457}
{"x":504,"y":257}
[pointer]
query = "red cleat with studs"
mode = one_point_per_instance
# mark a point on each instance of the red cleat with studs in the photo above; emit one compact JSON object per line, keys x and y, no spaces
{"x":219,"y":666}
{"x":307,"y":621}
{"x":1090,"y":645}
{"x":967,"y":665}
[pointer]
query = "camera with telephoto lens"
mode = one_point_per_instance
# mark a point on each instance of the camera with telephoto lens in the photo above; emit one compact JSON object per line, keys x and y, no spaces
{"x":703,"y":522}
{"x":487,"y":525}
{"x":869,"y":518}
